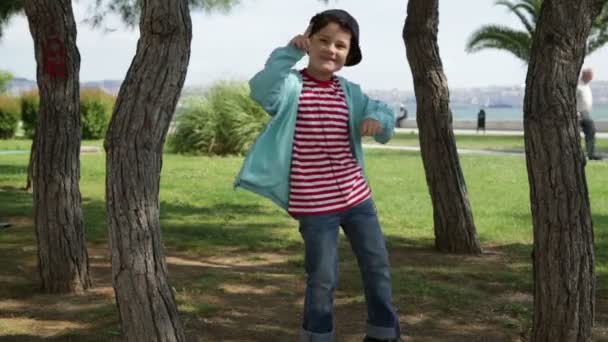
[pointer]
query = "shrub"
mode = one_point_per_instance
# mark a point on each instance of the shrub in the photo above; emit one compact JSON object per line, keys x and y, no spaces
{"x":9,"y":116}
{"x":30,"y":105}
{"x":5,"y":78}
{"x":224,"y":122}
{"x":96,"y":111}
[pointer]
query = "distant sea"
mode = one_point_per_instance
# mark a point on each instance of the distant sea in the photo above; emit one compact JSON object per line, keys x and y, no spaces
{"x":469,"y":113}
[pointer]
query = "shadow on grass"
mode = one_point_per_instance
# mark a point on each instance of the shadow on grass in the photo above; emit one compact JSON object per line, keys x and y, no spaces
{"x":440,"y":297}
{"x":600,"y":224}
{"x":600,"y":228}
{"x":222,"y":224}
{"x":248,"y":296}
{"x":62,"y":338}
{"x":240,"y":226}
{"x":15,"y":202}
{"x":13,"y":169}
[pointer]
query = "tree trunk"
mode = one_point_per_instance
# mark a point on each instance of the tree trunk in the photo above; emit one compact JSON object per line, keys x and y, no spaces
{"x":134,"y":145}
{"x":564,"y":275}
{"x":454,"y":227}
{"x":62,"y":255}
{"x":30,"y":165}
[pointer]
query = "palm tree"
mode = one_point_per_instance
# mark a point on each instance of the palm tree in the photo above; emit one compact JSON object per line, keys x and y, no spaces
{"x":519,"y":42}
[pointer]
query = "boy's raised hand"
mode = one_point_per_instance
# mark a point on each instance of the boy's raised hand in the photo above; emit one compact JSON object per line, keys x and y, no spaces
{"x":302,"y":41}
{"x":370,"y":127}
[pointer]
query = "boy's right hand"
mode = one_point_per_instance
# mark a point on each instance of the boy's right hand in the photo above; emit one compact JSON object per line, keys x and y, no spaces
{"x":302,"y":41}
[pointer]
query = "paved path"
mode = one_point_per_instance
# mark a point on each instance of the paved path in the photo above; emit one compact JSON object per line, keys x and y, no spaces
{"x":83,"y":150}
{"x":7,"y":152}
{"x":463,"y":151}
{"x":488,"y":132}
{"x":460,"y":150}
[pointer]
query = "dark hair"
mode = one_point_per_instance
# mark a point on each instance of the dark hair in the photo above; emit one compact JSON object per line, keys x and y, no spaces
{"x":347,"y":23}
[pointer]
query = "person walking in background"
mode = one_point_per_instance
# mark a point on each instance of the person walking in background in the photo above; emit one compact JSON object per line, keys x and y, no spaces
{"x":584,"y":104}
{"x":402,"y":116}
{"x":481,"y":121}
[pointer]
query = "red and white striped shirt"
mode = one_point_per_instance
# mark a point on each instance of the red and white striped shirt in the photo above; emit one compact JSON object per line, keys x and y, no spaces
{"x":325,"y":176}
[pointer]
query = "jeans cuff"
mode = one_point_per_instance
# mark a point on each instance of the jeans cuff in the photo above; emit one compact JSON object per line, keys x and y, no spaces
{"x":309,"y":336}
{"x":382,"y":333}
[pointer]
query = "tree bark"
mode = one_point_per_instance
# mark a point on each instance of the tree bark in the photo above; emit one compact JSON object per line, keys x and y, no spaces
{"x":134,"y":145}
{"x":563,"y":265}
{"x":453,"y":220}
{"x":30,"y":166}
{"x":62,"y":255}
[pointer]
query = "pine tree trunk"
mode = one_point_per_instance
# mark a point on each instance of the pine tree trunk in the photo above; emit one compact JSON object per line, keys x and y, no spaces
{"x":134,"y":145}
{"x":62,"y":255}
{"x":564,"y":275}
{"x":454,"y":227}
{"x":30,"y":165}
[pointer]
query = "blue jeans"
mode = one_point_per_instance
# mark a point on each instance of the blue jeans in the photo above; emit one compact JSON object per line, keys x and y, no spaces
{"x":320,"y":234}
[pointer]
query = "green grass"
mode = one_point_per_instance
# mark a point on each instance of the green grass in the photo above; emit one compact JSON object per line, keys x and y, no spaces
{"x":197,"y":200}
{"x":199,"y":208}
{"x":203,"y":217}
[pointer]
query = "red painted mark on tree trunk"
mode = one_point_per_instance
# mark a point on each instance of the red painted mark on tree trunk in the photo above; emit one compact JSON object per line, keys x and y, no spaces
{"x":54,"y":57}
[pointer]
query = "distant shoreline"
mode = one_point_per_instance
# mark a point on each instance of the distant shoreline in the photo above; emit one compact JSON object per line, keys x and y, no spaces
{"x":600,"y":126}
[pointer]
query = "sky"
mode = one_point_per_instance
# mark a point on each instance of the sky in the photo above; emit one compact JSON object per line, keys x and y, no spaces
{"x":235,"y":46}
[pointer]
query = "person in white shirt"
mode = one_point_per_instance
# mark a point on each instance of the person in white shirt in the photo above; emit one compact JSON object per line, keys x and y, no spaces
{"x":584,"y":104}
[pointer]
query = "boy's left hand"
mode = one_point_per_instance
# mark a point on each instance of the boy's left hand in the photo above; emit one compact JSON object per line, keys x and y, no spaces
{"x":370,"y":127}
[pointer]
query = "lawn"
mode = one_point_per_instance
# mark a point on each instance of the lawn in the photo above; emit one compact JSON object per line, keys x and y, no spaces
{"x":236,"y":261}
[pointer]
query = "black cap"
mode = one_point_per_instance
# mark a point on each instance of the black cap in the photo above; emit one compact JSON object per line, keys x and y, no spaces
{"x":354,"y":55}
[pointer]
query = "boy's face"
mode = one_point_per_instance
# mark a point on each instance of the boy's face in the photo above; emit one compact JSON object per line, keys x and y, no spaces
{"x":329,"y":48}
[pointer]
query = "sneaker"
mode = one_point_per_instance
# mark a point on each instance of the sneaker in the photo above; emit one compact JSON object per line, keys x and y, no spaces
{"x":372,"y":339}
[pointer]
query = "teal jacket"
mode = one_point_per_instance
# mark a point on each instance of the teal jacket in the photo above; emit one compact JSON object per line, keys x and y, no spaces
{"x":277,"y":89}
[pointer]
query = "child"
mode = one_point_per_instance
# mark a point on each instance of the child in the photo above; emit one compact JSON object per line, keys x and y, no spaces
{"x":309,"y":161}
